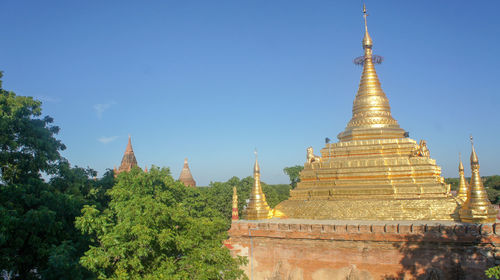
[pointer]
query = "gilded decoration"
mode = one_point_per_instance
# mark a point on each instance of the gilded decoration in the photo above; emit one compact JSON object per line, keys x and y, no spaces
{"x":257,"y":208}
{"x":477,"y":208}
{"x":374,"y":172}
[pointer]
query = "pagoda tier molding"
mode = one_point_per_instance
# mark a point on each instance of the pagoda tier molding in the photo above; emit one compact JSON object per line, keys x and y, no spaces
{"x":373,"y":179}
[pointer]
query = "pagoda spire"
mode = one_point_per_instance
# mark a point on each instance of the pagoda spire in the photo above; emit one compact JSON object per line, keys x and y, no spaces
{"x":235,"y":216}
{"x":477,"y":208}
{"x":186,"y":177}
{"x":462,"y":187}
{"x":367,"y":40}
{"x":257,"y":208}
{"x":371,"y":113}
{"x":128,"y":159}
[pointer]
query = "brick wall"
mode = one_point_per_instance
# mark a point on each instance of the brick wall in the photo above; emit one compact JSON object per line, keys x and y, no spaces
{"x":302,"y":249}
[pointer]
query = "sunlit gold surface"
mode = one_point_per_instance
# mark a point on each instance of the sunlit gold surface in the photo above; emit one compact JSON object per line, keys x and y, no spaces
{"x":477,"y":208}
{"x":371,"y":113}
{"x":373,"y":172}
{"x":462,"y":186}
{"x":257,"y":208}
{"x":234,"y":215}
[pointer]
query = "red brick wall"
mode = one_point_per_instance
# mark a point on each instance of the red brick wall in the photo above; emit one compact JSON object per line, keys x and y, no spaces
{"x":311,"y":250}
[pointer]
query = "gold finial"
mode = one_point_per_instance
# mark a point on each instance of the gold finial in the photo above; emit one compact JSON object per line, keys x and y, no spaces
{"x":473,"y":155}
{"x":477,"y":208}
{"x":460,"y":165}
{"x":367,"y":40}
{"x":256,"y":168}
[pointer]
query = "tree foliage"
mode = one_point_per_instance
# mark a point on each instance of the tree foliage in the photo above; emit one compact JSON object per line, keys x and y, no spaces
{"x":156,"y":228}
{"x":491,"y":184}
{"x":294,"y":173}
{"x":27,"y":142}
{"x":493,"y":272}
{"x":37,"y":236}
{"x":219,"y":195}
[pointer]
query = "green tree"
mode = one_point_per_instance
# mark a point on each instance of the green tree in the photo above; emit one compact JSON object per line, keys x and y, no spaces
{"x":156,"y":228}
{"x":37,"y":235}
{"x":493,"y":272}
{"x":28,"y":145}
{"x":454,"y":182}
{"x":492,"y":185}
{"x":294,"y":173}
{"x":82,"y":184}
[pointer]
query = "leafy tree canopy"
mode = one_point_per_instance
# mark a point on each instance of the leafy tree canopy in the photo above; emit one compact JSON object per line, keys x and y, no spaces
{"x":294,"y":173}
{"x":37,"y":236}
{"x":156,"y":228}
{"x":27,"y":142}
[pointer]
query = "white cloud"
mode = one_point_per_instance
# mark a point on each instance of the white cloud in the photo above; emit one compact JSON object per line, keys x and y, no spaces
{"x":101,"y":107}
{"x":106,"y":140}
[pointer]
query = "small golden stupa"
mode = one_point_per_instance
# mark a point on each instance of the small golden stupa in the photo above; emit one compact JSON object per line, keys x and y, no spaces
{"x":257,"y":208}
{"x":477,"y":208}
{"x":374,"y":172}
{"x":462,"y":185}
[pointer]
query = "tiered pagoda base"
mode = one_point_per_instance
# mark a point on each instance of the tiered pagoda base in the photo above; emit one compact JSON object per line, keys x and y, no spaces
{"x":374,"y":179}
{"x":306,"y":249}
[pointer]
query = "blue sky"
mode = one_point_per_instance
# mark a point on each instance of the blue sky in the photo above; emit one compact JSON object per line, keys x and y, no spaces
{"x":213,"y":80}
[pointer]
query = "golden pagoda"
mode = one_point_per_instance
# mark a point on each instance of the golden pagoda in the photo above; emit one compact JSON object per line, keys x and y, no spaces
{"x":128,"y":160}
{"x":477,"y":208}
{"x":257,"y":208}
{"x":462,"y":186}
{"x":374,"y":172}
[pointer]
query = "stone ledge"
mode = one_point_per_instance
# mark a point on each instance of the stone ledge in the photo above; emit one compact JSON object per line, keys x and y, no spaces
{"x":368,"y":230}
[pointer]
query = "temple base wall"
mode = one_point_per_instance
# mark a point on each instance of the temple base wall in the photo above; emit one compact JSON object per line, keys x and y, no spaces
{"x":315,"y":249}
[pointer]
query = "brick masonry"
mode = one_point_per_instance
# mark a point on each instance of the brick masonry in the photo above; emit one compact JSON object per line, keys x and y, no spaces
{"x":305,"y":249}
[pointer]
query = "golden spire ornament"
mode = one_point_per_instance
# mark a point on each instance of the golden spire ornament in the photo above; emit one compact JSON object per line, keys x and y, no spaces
{"x":477,"y":208}
{"x":235,"y":215}
{"x":462,"y":187}
{"x":371,"y":113}
{"x":257,"y":208}
{"x":367,"y":40}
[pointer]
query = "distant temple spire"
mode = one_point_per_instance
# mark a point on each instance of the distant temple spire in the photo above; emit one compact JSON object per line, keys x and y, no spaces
{"x":257,"y":208}
{"x":186,"y":176}
{"x":235,"y":215}
{"x":128,"y":160}
{"x":371,"y":113}
{"x":463,"y":189}
{"x":477,"y":208}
